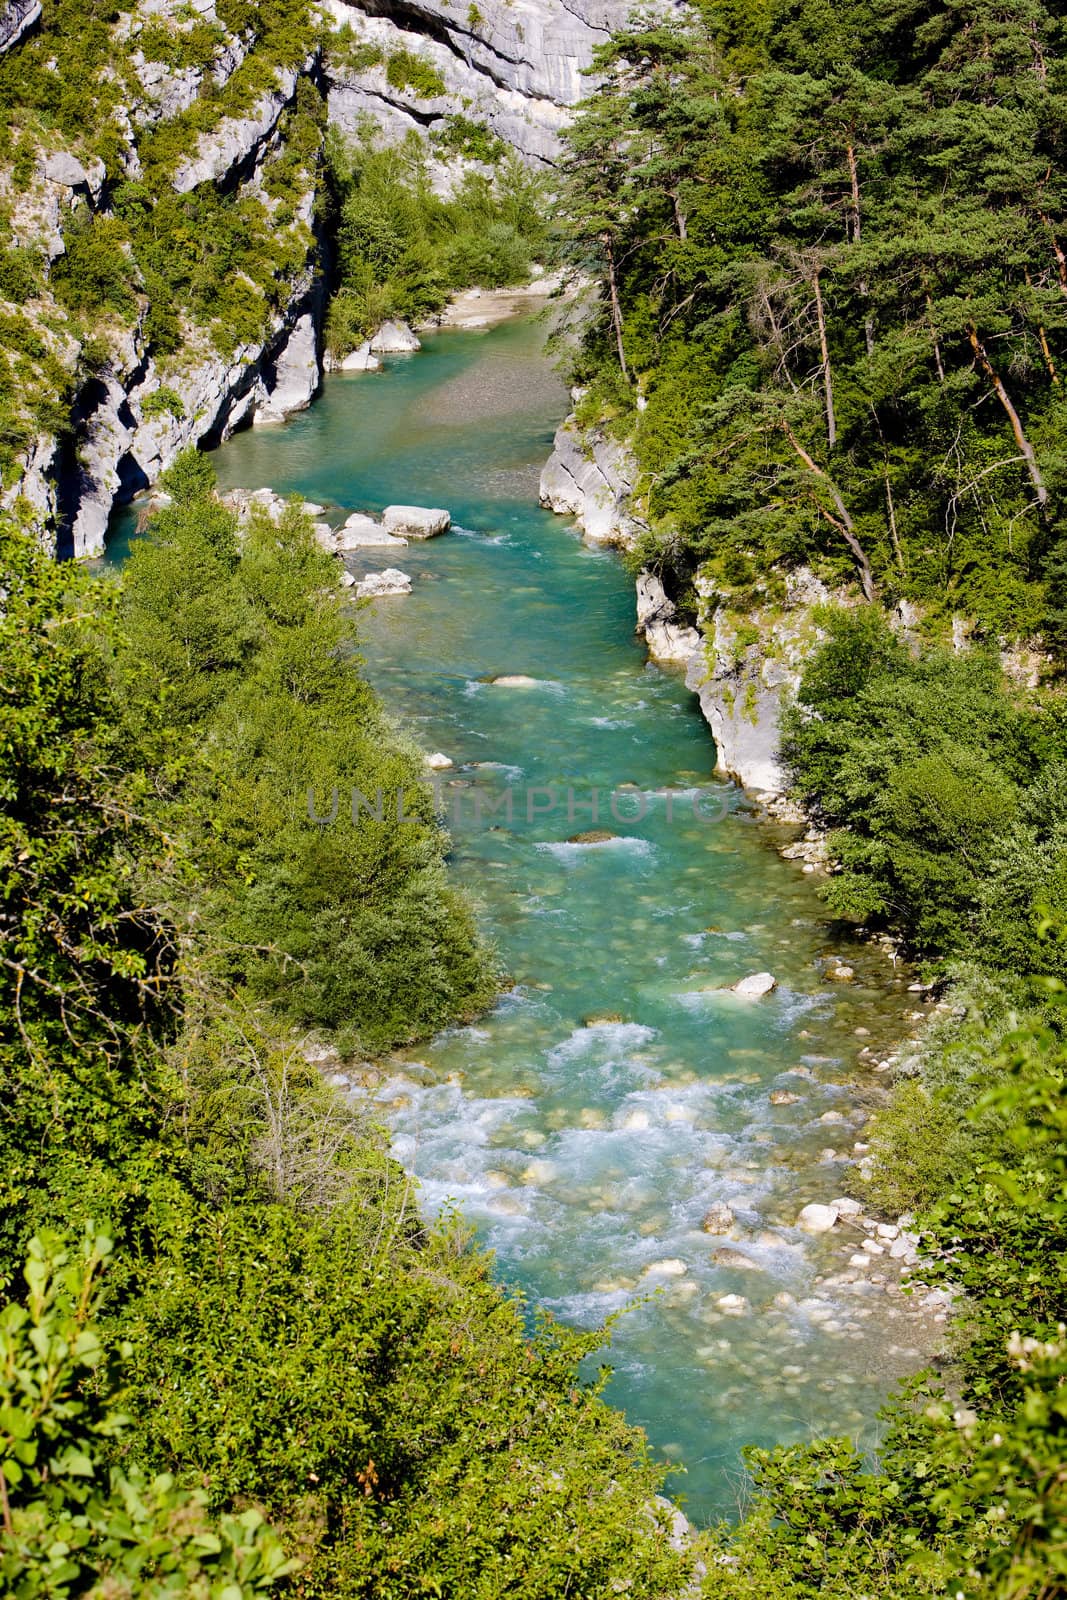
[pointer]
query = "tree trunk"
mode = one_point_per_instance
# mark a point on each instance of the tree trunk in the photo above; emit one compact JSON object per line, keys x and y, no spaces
{"x":846,"y":527}
{"x":827,"y":376}
{"x":854,"y":179}
{"x":679,"y":217}
{"x":1026,"y":449}
{"x":616,"y":309}
{"x":933,"y":335}
{"x":1045,"y":351}
{"x":1061,"y":259}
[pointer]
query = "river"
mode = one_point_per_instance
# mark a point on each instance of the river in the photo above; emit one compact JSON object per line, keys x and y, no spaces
{"x":616,"y":1091}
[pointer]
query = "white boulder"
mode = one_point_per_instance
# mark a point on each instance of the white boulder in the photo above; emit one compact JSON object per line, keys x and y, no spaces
{"x":361,"y":360}
{"x":378,"y":584}
{"x":817,"y":1219}
{"x":359,"y":530}
{"x":755,"y":986}
{"x":418,"y":522}
{"x":439,"y":761}
{"x":669,"y":1267}
{"x":394,"y":339}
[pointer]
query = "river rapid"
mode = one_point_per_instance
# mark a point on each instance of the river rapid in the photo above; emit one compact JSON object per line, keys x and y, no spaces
{"x":617,"y":1091}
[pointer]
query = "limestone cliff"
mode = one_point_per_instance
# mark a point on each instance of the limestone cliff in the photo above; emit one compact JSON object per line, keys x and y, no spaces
{"x":192,"y":104}
{"x":517,"y":65}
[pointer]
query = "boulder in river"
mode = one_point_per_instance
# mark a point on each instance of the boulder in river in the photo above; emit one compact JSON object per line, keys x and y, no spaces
{"x":783,"y":1097}
{"x":817,"y":1219}
{"x":439,"y":761}
{"x":591,"y":835}
{"x":394,"y":339}
{"x":840,"y":972}
{"x":377,"y":584}
{"x":515,"y":680}
{"x":734,"y":1305}
{"x":736,"y":1259}
{"x":417,"y":522}
{"x":361,"y":360}
{"x":360,"y":530}
{"x":755,"y":986}
{"x":718,"y":1218}
{"x":669,"y":1267}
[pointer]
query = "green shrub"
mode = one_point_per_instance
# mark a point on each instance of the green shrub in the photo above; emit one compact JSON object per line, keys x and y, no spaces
{"x":163,"y":402}
{"x":405,"y":70}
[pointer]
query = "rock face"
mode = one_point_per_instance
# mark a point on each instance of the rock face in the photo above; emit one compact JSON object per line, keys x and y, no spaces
{"x":744,"y":671}
{"x":17,"y":18}
{"x":591,"y":477}
{"x":666,"y":638}
{"x":516,"y":67}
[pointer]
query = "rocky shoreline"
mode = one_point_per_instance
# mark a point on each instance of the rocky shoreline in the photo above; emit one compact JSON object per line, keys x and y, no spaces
{"x":741,"y":679}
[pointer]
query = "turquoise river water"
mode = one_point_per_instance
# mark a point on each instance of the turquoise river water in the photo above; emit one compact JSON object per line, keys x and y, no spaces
{"x":616,"y":1091}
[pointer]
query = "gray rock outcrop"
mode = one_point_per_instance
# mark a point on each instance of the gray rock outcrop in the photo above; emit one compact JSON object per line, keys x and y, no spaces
{"x":591,"y":477}
{"x":518,"y":69}
{"x":17,"y":18}
{"x":667,"y":639}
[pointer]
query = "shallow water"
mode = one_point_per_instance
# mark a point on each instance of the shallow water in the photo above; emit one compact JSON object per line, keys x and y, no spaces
{"x":616,"y":1092}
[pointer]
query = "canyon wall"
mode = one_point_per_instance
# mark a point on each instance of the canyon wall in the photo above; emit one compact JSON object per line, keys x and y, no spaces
{"x":515,"y":68}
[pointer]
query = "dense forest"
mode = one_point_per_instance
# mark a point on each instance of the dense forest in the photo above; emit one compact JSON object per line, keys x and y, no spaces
{"x":830,"y":319}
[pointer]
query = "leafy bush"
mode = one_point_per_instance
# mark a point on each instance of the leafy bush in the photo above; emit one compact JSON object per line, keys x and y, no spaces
{"x":927,"y":768}
{"x":404,"y":70}
{"x":72,"y":1523}
{"x":463,"y":136}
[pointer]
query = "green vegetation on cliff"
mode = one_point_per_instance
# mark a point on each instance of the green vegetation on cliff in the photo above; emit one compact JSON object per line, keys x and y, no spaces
{"x":829,"y":241}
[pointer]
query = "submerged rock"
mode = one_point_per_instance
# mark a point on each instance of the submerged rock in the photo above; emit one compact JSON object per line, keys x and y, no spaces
{"x":591,"y":835}
{"x":418,"y":522}
{"x":736,"y":1259}
{"x":718,"y":1218}
{"x":669,"y":1267}
{"x":379,"y":584}
{"x":783,"y":1097}
{"x":360,"y":530}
